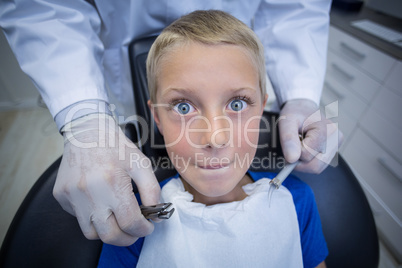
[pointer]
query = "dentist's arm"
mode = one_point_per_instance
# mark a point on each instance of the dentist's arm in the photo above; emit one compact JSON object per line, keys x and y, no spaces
{"x":295,"y":36}
{"x":56,"y":43}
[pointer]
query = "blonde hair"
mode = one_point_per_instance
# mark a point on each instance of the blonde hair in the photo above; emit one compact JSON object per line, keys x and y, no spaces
{"x":210,"y":27}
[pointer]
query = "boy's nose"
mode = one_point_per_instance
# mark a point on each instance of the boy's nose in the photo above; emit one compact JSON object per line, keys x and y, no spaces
{"x":218,"y":134}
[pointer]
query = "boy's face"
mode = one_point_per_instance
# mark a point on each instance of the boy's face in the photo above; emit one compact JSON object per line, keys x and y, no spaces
{"x":208,"y":108}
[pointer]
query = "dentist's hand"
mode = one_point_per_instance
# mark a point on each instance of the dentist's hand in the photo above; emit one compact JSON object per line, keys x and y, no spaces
{"x":321,"y":137}
{"x":94,"y":181}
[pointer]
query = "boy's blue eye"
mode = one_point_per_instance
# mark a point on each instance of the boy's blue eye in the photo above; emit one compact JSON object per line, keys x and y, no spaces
{"x":183,"y":108}
{"x":237,"y":105}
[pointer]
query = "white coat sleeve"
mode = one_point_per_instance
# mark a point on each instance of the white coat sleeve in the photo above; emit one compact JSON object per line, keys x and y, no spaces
{"x":295,"y":36}
{"x":56,"y":43}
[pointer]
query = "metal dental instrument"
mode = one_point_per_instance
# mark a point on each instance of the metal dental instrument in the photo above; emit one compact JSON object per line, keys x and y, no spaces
{"x":276,"y":182}
{"x":157,"y":211}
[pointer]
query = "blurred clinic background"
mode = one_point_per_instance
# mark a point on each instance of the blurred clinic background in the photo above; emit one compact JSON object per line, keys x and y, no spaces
{"x":364,"y":76}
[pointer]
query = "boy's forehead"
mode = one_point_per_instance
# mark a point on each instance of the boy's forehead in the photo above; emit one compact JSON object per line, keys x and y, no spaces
{"x":194,"y":54}
{"x":185,"y":67}
{"x":182,"y":49}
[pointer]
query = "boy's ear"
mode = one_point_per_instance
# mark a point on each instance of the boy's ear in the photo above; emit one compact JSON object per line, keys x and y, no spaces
{"x":155,"y":114}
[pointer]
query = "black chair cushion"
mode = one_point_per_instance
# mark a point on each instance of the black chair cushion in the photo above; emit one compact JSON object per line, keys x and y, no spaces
{"x":42,"y":234}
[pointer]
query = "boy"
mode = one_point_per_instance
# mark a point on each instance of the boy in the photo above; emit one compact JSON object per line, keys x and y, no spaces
{"x":206,"y":76}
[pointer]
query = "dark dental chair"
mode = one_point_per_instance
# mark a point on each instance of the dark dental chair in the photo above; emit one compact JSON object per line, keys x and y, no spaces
{"x":42,"y":234}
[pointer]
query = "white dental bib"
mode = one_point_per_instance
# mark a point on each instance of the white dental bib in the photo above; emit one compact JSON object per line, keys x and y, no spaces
{"x":245,"y":233}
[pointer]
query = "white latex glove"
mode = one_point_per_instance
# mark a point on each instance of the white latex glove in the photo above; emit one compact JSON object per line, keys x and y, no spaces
{"x":321,"y":137}
{"x":94,"y":181}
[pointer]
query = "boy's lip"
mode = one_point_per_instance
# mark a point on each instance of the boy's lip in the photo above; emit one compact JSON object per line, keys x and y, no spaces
{"x":216,"y":166}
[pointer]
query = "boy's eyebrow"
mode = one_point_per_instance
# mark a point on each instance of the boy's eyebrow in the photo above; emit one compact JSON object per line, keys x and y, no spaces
{"x":246,"y":89}
{"x":183,"y":90}
{"x":190,"y":90}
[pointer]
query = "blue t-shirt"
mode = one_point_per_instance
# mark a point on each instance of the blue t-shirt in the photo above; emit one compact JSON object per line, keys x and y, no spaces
{"x":314,"y":247}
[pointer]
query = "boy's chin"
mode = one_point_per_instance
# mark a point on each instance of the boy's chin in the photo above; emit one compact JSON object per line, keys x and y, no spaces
{"x":210,"y":194}
{"x":215,"y":193}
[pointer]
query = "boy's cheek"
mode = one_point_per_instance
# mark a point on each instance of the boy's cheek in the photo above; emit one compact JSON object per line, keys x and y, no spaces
{"x":251,"y":139}
{"x":173,"y":139}
{"x":170,"y":128}
{"x":249,"y":132}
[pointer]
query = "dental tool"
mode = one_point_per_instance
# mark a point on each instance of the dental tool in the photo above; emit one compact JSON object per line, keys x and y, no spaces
{"x":159,"y":211}
{"x":276,"y":182}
